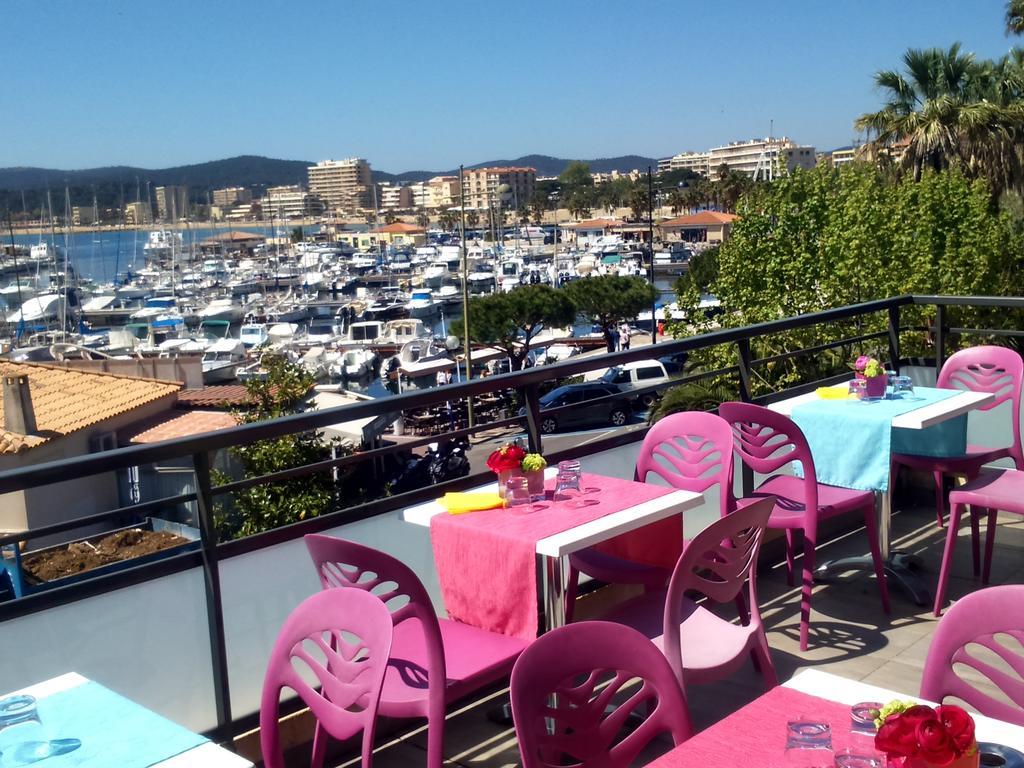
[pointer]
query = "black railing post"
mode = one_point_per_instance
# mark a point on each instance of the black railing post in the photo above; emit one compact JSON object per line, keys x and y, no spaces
{"x":894,"y":337}
{"x":743,"y":348}
{"x":214,"y":606}
{"x":940,"y":337}
{"x":744,"y":358}
{"x":532,"y":403}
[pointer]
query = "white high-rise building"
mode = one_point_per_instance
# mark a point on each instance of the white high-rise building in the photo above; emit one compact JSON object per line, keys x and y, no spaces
{"x":761,"y":158}
{"x":343,"y":185}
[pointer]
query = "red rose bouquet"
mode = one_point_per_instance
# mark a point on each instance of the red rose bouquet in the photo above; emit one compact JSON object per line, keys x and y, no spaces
{"x":923,"y":736}
{"x":506,"y":458}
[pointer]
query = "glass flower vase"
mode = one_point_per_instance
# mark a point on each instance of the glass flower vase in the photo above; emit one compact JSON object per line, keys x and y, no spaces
{"x":503,"y":478}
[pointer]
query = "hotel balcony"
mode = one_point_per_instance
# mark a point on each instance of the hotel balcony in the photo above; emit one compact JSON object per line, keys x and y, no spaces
{"x":188,"y":635}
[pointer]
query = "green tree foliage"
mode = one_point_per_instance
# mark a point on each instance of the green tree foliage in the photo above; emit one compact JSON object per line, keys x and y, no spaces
{"x":576,"y":175}
{"x":1015,"y":17}
{"x":472,"y":219}
{"x":701,"y":273}
{"x":422,"y":220}
{"x":510,"y":320}
{"x":390,"y":217}
{"x":271,"y":505}
{"x":608,"y":300}
{"x":831,"y":237}
{"x":640,"y":203}
{"x":952,"y":110}
{"x":448,"y":220}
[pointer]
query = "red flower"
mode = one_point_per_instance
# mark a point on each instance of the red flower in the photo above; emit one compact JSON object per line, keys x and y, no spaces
{"x":934,"y":742}
{"x":897,"y":737}
{"x":898,"y":734}
{"x":959,"y":725}
{"x":505,"y":458}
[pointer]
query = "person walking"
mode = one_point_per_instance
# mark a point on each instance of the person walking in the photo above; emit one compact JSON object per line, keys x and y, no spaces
{"x":624,"y":336}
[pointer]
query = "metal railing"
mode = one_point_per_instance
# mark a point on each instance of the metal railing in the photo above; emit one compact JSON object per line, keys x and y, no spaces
{"x":199,"y":449}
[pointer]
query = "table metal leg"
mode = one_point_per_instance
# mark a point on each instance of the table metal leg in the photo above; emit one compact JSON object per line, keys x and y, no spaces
{"x":900,"y":567}
{"x":554,"y":573}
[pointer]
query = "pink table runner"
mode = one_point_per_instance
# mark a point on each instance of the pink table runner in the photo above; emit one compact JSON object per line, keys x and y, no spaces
{"x":486,"y":561}
{"x":756,"y":734}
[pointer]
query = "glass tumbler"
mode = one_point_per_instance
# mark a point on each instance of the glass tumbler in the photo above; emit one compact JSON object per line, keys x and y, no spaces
{"x":567,"y":482}
{"x":517,"y":495}
{"x":903,"y":385}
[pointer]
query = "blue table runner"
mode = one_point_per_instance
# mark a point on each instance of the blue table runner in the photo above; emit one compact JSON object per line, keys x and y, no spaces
{"x":852,"y":440}
{"x":114,"y":731}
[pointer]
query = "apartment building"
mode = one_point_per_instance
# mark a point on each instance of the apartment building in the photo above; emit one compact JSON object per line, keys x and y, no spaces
{"x":698,"y":162}
{"x":84,"y":215}
{"x":171,"y":203}
{"x":231,"y":196}
{"x":442,"y":192}
{"x":842,"y":156}
{"x":138,"y":213}
{"x":394,"y":197}
{"x":291,"y":202}
{"x":507,"y":186}
{"x":761,"y":158}
{"x":343,"y":185}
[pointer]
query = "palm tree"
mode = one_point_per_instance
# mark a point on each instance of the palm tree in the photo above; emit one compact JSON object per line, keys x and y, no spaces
{"x":1015,"y":17}
{"x":947,"y":109}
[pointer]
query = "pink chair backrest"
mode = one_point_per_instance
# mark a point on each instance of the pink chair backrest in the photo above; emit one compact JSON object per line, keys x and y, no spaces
{"x":341,"y":563}
{"x":968,"y":638}
{"x":691,"y":451}
{"x":998,"y":370}
{"x":342,"y":638}
{"x":571,"y":663}
{"x":716,"y":563}
{"x":766,"y":441}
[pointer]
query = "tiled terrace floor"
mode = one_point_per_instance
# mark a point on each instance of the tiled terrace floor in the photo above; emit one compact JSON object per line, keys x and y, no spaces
{"x":850,"y":637}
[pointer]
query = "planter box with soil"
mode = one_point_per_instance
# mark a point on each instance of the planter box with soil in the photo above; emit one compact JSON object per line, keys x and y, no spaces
{"x":96,"y":555}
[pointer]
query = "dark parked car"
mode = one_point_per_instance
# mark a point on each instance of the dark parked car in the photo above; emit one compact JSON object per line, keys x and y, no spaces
{"x":614,"y":412}
{"x":674,"y":363}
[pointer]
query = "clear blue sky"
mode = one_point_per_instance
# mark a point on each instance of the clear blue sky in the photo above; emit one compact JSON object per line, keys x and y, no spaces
{"x":426,"y":85}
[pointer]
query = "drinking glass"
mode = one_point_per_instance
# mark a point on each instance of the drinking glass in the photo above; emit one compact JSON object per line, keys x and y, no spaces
{"x":852,"y":758}
{"x":517,"y":495}
{"x":903,"y":385}
{"x":567,"y":482}
{"x":808,"y":743}
{"x":21,"y":731}
{"x":858,"y":388}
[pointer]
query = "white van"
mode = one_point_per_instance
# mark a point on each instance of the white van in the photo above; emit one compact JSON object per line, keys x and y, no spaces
{"x":641,"y":373}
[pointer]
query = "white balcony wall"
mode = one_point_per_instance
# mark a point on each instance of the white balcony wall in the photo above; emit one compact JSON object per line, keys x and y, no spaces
{"x":261,"y":588}
{"x":148,"y":642}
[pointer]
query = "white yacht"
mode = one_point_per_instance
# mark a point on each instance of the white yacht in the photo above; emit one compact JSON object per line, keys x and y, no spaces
{"x":354,"y":363}
{"x":512,"y":270}
{"x":222,"y":309}
{"x":253,"y":334}
{"x":221,"y":360}
{"x":38,"y":309}
{"x":422,"y":303}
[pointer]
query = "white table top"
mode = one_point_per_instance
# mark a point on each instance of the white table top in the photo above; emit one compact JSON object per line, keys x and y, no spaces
{"x":835,"y":688}
{"x":919,"y":418}
{"x":207,"y":755}
{"x":588,"y":534}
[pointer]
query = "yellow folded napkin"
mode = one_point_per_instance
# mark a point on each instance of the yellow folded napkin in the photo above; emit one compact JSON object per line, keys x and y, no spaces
{"x":840,"y":392}
{"x":459,"y":503}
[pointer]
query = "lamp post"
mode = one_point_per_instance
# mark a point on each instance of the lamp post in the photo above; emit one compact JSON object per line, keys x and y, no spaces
{"x":650,"y":233}
{"x":465,"y":291}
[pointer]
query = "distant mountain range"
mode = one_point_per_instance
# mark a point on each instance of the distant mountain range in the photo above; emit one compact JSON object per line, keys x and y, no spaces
{"x":255,"y":171}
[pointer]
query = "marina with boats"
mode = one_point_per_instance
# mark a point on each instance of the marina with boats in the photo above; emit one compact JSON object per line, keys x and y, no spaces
{"x":345,"y":315}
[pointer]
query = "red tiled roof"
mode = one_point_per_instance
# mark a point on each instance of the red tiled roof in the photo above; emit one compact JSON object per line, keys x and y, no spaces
{"x":701,"y":219}
{"x":66,"y":400}
{"x":400,"y":228}
{"x":172,"y":424}
{"x":221,"y":396}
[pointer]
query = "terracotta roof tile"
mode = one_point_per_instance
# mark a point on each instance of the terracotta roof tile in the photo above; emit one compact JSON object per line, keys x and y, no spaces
{"x":66,"y":400}
{"x":174,"y":424}
{"x":220,"y":396}
{"x":701,"y":219}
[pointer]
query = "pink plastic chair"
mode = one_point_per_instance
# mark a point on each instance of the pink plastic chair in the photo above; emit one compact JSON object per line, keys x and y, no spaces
{"x":971,"y":625}
{"x":702,"y":647}
{"x":691,"y":451}
{"x":342,"y":638}
{"x":766,"y":442}
{"x":992,"y":491}
{"x":980,"y":369}
{"x":433,"y":661}
{"x":561,"y":714}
